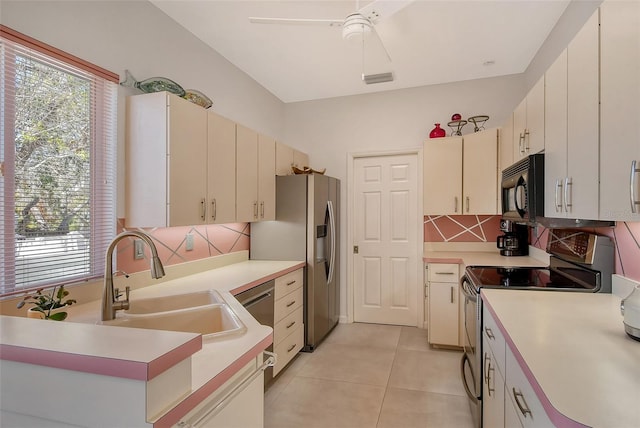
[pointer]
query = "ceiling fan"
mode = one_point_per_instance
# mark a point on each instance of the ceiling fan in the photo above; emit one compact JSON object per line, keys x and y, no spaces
{"x":356,"y":24}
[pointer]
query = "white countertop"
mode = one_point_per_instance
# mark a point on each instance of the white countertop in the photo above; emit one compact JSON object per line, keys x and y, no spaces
{"x":486,"y":258}
{"x":576,"y":350}
{"x":216,"y":361}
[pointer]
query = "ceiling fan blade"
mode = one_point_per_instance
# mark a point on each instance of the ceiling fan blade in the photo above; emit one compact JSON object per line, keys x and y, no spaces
{"x":293,"y":21}
{"x":382,"y":9}
{"x":376,"y":35}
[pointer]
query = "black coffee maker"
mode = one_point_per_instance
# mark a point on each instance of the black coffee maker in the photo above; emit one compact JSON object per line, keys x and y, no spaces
{"x":515,"y":240}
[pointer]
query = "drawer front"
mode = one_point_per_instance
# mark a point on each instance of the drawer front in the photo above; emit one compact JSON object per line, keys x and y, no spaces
{"x":288,"y":349}
{"x":287,"y":325}
{"x":289,"y":282}
{"x":528,"y":407}
{"x":495,"y":339}
{"x":286,"y":305}
{"x":443,"y":272}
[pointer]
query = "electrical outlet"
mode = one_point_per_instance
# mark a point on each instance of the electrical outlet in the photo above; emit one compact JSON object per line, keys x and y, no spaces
{"x":189,"y":242}
{"x":138,"y":249}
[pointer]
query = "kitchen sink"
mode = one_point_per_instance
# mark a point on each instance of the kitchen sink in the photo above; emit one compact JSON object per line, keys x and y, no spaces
{"x":173,"y":303}
{"x":212,"y":321}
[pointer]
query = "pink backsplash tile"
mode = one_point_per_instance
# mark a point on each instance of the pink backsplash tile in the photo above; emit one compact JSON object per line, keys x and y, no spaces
{"x":626,"y":236}
{"x":461,"y":228}
{"x":208,"y":241}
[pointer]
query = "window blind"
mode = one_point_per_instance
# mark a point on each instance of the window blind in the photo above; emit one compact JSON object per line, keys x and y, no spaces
{"x":57,"y":185}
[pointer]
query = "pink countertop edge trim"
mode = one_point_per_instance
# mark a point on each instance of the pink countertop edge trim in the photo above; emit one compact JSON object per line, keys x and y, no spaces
{"x":106,"y":366}
{"x":559,"y":420}
{"x":174,"y":415}
{"x":252,"y":284}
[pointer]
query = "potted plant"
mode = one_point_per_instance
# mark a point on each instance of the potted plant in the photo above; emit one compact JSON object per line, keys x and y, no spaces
{"x":47,"y":306}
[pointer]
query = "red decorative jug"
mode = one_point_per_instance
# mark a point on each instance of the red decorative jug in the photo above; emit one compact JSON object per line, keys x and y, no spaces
{"x":437,"y":132}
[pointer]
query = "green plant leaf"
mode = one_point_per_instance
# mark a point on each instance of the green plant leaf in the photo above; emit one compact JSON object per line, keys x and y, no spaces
{"x":59,"y":316}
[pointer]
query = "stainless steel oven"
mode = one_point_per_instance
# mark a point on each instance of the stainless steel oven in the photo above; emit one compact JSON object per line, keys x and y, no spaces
{"x":579,"y":262}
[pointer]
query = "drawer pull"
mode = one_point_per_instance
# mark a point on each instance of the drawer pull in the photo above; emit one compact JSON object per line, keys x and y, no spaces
{"x":489,"y":333}
{"x":291,"y":325}
{"x":291,"y":282}
{"x":523,"y":409}
{"x":444,"y":273}
{"x":291,"y":304}
{"x":292,"y":347}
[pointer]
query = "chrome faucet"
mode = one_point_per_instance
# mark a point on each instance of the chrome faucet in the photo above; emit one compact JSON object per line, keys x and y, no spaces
{"x":110,"y":302}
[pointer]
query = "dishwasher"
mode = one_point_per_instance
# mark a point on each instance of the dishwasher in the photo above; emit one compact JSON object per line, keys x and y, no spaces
{"x":259,"y":302}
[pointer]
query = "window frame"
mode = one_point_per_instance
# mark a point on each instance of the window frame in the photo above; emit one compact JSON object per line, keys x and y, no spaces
{"x":103,"y":143}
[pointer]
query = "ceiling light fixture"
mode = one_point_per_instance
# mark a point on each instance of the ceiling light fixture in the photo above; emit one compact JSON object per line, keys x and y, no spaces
{"x":355,"y":25}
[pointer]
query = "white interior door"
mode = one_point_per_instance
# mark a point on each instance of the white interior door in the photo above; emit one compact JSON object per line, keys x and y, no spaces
{"x":385,"y":223}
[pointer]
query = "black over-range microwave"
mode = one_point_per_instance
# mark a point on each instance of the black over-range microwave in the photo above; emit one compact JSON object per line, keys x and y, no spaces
{"x":523,"y":189}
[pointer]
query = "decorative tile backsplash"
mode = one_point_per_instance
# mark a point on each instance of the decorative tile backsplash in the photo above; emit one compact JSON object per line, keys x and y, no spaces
{"x":626,"y":236}
{"x":208,"y":241}
{"x":461,"y":228}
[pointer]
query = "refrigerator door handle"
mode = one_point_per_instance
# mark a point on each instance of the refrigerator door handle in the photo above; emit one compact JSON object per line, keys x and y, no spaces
{"x":332,"y":225}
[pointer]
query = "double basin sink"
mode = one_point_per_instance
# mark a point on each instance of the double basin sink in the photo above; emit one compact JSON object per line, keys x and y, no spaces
{"x":204,"y":312}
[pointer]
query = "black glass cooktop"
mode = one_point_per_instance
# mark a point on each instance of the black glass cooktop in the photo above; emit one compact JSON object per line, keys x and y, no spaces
{"x":557,"y":278}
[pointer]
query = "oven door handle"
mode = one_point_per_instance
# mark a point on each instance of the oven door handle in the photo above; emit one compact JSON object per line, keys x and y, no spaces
{"x":467,"y":289}
{"x":463,"y":362}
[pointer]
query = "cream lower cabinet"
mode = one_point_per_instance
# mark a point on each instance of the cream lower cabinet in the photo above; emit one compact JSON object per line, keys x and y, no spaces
{"x":444,"y":304}
{"x":166,"y":161}
{"x":571,"y":128}
{"x":460,"y":174}
{"x":620,"y":110}
{"x":288,"y":331}
{"x":508,"y":399}
{"x":255,"y":176}
{"x":238,"y":403}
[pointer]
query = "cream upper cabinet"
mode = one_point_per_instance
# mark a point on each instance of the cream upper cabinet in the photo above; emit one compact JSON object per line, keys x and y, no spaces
{"x":480,"y":172}
{"x":620,"y":110}
{"x":266,"y":178}
{"x":505,"y":145}
{"x":166,"y":161}
{"x":221,"y":183}
{"x":246,"y":174}
{"x":528,"y":123}
{"x":443,"y":176}
{"x":571,"y":121}
{"x":460,"y":174}
{"x":255,"y":176}
{"x":284,"y":159}
{"x":287,"y":157}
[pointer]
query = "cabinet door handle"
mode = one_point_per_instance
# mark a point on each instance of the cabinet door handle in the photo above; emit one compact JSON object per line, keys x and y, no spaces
{"x":467,"y":204}
{"x":489,"y":333}
{"x":524,"y":409}
{"x":455,"y":204}
{"x":203,"y":209}
{"x":291,"y":325}
{"x":451,"y":294}
{"x":291,"y":282}
{"x":255,"y":209}
{"x":521,"y":143}
{"x":291,"y":304}
{"x":262,"y":209}
{"x":525,"y":138}
{"x":568,"y":196}
{"x":292,"y":347}
{"x":558,"y":195}
{"x":213,"y":209}
{"x":635,"y":201}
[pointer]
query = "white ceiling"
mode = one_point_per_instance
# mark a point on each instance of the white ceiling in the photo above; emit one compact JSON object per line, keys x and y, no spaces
{"x":430,"y":42}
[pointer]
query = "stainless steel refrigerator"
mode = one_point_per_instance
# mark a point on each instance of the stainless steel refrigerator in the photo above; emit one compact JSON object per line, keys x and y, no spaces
{"x":307,"y":228}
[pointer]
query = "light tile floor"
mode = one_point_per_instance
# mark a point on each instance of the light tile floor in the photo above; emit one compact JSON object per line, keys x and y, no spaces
{"x":370,"y":376}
